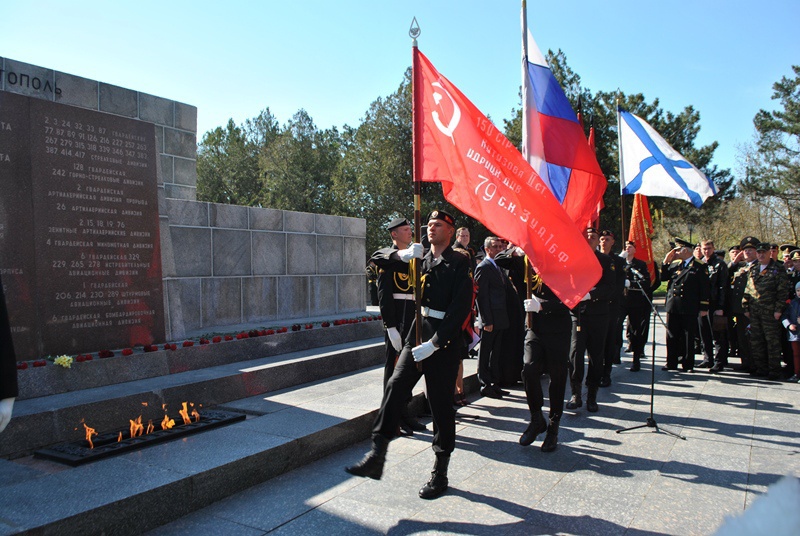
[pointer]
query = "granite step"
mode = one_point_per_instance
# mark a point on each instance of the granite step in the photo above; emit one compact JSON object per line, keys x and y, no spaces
{"x":134,"y":492}
{"x":47,"y":420}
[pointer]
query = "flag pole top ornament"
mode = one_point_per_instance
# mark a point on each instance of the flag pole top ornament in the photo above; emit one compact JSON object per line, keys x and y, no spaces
{"x":414,"y":31}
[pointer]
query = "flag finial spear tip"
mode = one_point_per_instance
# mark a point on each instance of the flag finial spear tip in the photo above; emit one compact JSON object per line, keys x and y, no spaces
{"x":414,"y":31}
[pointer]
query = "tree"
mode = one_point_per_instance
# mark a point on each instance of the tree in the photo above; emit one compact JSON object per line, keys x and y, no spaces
{"x":773,"y":170}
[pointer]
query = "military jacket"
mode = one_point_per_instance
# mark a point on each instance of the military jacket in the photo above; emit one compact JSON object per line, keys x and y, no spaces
{"x":767,"y":289}
{"x":718,"y":278}
{"x":634,"y":295}
{"x":794,"y":278}
{"x":447,"y":288}
{"x":8,"y":359}
{"x":689,"y":290}
{"x":394,"y":278}
{"x":738,"y":275}
{"x":603,"y":291}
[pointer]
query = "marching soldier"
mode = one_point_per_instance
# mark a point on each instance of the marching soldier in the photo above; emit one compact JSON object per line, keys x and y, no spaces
{"x":396,"y":301}
{"x":764,"y":302}
{"x":446,"y":304}
{"x":687,"y":297}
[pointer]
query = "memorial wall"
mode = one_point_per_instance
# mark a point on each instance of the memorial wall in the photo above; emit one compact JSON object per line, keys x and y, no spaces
{"x":103,"y":246}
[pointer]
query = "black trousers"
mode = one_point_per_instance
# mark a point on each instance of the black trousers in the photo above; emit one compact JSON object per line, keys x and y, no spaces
{"x":588,"y":336}
{"x":715,"y":342}
{"x":440,"y":371}
{"x":489,"y":356}
{"x":743,"y":340}
{"x":680,"y":346}
{"x":639,"y":325}
{"x":613,"y":338}
{"x":547,"y":348}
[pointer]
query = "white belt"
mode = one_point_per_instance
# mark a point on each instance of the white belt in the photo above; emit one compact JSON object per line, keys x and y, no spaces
{"x":403,"y":297}
{"x":433,"y":313}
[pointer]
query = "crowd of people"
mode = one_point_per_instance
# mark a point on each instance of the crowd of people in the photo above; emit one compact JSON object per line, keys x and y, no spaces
{"x":748,"y":307}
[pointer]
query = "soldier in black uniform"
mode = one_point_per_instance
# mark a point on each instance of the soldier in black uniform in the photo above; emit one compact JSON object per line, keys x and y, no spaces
{"x":8,"y":365}
{"x":738,"y":273}
{"x":446,"y":301}
{"x":714,"y":330}
{"x":613,"y":348}
{"x":687,"y":297}
{"x":547,"y":343}
{"x":396,"y":301}
{"x":637,"y":300}
{"x":589,"y":328}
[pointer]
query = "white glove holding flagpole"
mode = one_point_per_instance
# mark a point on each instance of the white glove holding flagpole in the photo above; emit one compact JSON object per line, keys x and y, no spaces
{"x":395,"y":339}
{"x":6,"y":407}
{"x":533,"y":305}
{"x":423,"y":351}
{"x":587,"y":297}
{"x":414,"y":251}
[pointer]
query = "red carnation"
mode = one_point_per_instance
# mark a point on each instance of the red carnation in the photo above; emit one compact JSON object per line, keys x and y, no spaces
{"x":127,"y":351}
{"x":88,"y":357}
{"x":228,"y":337}
{"x":282,"y":330}
{"x":22,"y":365}
{"x":253,"y":333}
{"x":295,"y":327}
{"x":187,"y":344}
{"x":216,"y":339}
{"x":262,"y":332}
{"x":150,"y":348}
{"x":173,"y":346}
{"x":326,"y":324}
{"x":380,"y":317}
{"x":203,"y":340}
{"x":102,"y":354}
{"x":269,"y":332}
{"x":309,"y":326}
{"x":40,"y":363}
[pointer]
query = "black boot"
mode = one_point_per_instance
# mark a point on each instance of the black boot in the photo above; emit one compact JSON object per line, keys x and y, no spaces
{"x":438,"y":482}
{"x":636,"y":366}
{"x":551,"y":439}
{"x":576,"y":401}
{"x":536,"y":427}
{"x":372,"y":464}
{"x":409,"y":424}
{"x":591,"y":400}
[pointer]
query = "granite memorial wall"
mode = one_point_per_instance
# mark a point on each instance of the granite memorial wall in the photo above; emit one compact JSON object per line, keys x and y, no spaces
{"x":103,"y":246}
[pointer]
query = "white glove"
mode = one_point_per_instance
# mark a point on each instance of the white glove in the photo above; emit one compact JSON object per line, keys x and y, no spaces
{"x":587,"y":297}
{"x":6,"y":407}
{"x":519,"y":252}
{"x":395,"y":339}
{"x":533,"y":305}
{"x":627,"y":283}
{"x":423,"y":351}
{"x":414,"y":251}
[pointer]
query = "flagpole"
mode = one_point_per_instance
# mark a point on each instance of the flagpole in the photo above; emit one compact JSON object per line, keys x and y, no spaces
{"x":416,"y":137}
{"x":621,"y":195}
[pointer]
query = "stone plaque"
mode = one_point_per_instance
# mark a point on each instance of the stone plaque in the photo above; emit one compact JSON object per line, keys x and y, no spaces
{"x":81,"y":242}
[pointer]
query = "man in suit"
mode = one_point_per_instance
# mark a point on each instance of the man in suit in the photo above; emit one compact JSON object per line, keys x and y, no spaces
{"x":714,"y":337}
{"x":687,"y":297}
{"x":8,"y":365}
{"x":446,"y":303}
{"x":396,"y":301}
{"x":637,"y":300}
{"x":491,"y":281}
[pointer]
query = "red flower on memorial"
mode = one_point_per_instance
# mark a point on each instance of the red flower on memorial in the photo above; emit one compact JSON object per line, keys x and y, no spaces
{"x":326,"y":324}
{"x":269,"y":332}
{"x":228,"y":337}
{"x":150,"y":348}
{"x":187,"y":344}
{"x":40,"y":363}
{"x":83,"y":357}
{"x":282,"y":330}
{"x":309,"y":326}
{"x":262,"y":332}
{"x":103,"y":354}
{"x":241,"y":336}
{"x":127,"y":351}
{"x":203,"y":340}
{"x":22,"y":365}
{"x":216,"y":338}
{"x":295,"y":327}
{"x":253,"y":333}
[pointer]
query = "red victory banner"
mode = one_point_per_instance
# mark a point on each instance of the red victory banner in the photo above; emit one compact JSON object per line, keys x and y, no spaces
{"x":640,"y":232}
{"x":485,"y":176}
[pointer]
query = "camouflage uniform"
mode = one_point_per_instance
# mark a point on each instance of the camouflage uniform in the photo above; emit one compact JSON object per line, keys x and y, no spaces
{"x":764,"y":296}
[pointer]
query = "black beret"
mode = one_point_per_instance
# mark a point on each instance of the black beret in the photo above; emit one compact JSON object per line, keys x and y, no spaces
{"x":443,"y":216}
{"x":606,"y":232}
{"x":683,"y":243}
{"x":397,"y":222}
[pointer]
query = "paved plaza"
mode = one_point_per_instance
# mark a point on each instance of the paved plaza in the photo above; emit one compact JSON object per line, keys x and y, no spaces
{"x":741,"y":435}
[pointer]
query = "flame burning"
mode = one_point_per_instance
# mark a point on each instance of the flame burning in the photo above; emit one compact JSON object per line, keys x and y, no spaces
{"x":89,"y":433}
{"x":185,"y":414}
{"x":119,"y":438}
{"x":137,"y":428}
{"x":167,"y":423}
{"x":150,"y":427}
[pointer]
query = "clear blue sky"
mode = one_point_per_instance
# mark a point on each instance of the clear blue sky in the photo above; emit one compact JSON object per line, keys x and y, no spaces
{"x":333,"y":58}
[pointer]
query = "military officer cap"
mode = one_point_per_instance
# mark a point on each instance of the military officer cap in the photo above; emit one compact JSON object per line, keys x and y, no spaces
{"x":734,"y":247}
{"x":795,"y":255}
{"x":683,"y":243}
{"x":764,"y":246}
{"x":397,"y":222}
{"x":606,"y":232}
{"x":442,"y":216}
{"x":749,"y":242}
{"x":787,"y":247}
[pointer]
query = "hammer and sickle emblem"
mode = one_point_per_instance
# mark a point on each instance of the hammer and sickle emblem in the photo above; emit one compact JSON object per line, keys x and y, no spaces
{"x":446,"y":130}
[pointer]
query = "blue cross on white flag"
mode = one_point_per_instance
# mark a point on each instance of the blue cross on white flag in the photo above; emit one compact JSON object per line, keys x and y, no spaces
{"x":649,"y":166}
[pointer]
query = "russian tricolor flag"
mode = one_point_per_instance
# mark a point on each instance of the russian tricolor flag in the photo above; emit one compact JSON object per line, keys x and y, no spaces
{"x":553,"y":140}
